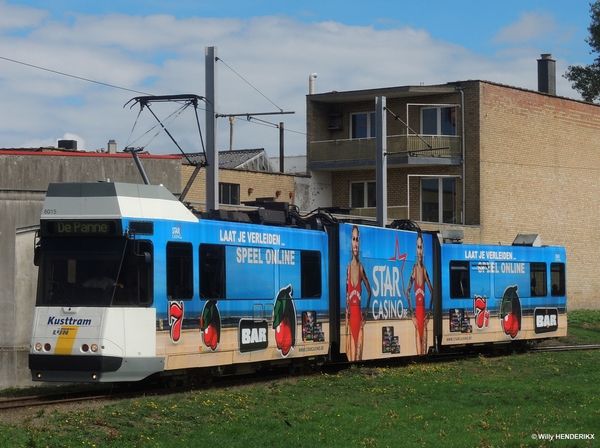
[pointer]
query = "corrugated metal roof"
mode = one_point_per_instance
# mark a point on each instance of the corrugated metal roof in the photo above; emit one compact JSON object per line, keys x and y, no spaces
{"x":248,"y":159}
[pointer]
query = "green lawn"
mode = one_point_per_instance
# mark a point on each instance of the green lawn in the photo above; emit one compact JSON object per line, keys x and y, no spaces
{"x":498,"y":401}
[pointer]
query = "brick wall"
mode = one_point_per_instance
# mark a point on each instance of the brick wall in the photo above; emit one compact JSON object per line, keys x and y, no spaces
{"x":540,"y":173}
{"x":253,"y":185}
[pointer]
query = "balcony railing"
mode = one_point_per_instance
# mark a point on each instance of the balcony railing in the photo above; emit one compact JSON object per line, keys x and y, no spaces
{"x":398,"y":146}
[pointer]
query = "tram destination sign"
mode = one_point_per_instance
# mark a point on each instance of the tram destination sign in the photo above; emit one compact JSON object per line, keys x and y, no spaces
{"x":80,"y":228}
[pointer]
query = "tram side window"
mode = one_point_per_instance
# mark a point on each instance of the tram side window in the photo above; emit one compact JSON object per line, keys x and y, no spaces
{"x":459,"y":280}
{"x":310,"y":273}
{"x":212,"y":271}
{"x":537,"y":273}
{"x":134,"y":285}
{"x":557,"y":274}
{"x":180,"y":278}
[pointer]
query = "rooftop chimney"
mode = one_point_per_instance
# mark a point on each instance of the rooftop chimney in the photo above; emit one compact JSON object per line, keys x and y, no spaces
{"x":112,"y":147}
{"x":547,"y":74}
{"x":311,"y":83}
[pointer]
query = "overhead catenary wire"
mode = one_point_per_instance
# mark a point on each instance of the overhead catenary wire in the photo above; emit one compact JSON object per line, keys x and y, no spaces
{"x":113,"y":86}
{"x":258,"y":121}
{"x":72,"y":76}
{"x":248,"y":82}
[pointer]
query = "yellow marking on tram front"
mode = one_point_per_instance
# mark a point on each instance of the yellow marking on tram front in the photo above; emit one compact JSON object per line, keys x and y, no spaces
{"x":65,"y":341}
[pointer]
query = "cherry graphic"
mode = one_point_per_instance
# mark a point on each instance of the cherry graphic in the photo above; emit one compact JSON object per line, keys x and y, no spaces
{"x":283,"y":336}
{"x":284,"y":320}
{"x":511,"y":315}
{"x":514,"y":328}
{"x":211,"y":337}
{"x":210,"y":325}
{"x":508,"y":323}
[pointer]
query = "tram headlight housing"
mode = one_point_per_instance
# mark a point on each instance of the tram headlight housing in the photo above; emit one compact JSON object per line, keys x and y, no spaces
{"x":38,"y":346}
{"x":94,"y":348}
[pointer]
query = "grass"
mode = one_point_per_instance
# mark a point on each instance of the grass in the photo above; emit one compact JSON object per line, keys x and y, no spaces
{"x":583,"y":328}
{"x":486,"y":402}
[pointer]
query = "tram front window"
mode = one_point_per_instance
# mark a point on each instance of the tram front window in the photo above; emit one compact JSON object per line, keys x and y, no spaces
{"x":93,"y":273}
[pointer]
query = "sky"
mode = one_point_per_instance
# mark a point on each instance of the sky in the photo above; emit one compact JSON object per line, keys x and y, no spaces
{"x":68,"y":68}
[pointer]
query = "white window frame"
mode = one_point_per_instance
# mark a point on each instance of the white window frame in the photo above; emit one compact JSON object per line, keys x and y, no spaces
{"x":458,"y":214}
{"x":423,"y":106}
{"x":438,"y":110}
{"x":440,"y":199}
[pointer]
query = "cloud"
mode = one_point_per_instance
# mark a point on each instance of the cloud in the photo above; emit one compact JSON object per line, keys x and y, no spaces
{"x":530,"y":26}
{"x":265,"y":64}
{"x":13,"y":17}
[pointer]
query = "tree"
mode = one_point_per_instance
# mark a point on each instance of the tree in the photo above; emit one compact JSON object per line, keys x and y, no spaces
{"x":586,"y":78}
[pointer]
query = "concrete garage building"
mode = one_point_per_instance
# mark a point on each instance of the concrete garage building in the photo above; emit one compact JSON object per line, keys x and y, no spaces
{"x":24,"y":179}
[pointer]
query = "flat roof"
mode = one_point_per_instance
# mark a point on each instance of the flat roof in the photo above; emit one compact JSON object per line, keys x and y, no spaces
{"x":54,"y":152}
{"x":388,"y":92}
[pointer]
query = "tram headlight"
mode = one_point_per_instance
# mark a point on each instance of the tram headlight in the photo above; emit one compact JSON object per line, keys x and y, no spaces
{"x":38,"y":346}
{"x":94,"y":348}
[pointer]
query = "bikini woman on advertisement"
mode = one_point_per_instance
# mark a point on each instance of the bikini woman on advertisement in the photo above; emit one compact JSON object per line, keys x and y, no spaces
{"x":420,"y":277}
{"x":355,"y":318}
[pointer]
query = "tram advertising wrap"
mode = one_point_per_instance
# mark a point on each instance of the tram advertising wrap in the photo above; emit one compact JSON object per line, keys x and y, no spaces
{"x":386,"y":292}
{"x":502,"y":293}
{"x":134,"y":284}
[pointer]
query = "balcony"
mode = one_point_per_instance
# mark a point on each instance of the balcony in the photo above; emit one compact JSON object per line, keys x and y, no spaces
{"x":402,"y":150}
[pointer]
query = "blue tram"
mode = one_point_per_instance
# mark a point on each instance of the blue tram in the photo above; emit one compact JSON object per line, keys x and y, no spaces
{"x":133,"y":284}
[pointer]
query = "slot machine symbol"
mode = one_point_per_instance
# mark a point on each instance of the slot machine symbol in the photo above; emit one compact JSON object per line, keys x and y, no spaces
{"x":482,"y":315}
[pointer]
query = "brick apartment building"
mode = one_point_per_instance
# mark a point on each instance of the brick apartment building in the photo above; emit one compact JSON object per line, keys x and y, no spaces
{"x":490,"y":159}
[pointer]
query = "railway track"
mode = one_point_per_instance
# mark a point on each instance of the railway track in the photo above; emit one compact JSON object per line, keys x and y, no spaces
{"x":565,"y":348}
{"x":7,"y":404}
{"x":50,"y":399}
{"x":139,"y":390}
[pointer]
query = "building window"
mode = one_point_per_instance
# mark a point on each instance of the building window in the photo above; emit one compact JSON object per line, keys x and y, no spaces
{"x":363,"y":194}
{"x":438,"y":200}
{"x":438,"y":121}
{"x":362,"y":125}
{"x":229,"y":193}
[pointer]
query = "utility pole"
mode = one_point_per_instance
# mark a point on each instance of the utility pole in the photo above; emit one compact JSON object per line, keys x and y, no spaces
{"x":212,"y":153}
{"x":281,"y":147}
{"x":380,"y":160}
